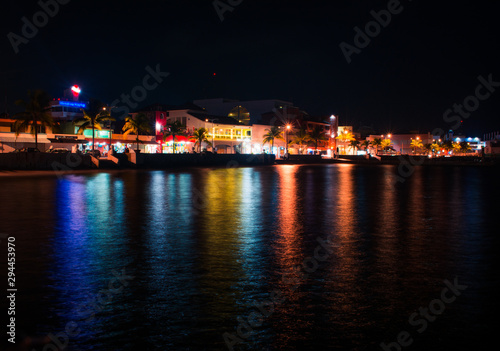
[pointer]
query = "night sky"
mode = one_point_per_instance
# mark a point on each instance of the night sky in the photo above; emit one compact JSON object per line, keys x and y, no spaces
{"x":425,"y":60}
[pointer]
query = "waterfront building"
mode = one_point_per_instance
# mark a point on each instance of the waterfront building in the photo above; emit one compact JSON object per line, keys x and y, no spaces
{"x":492,"y":147}
{"x":476,"y":144}
{"x":234,"y":133}
{"x":225,"y":133}
{"x":492,"y":143}
{"x":64,"y":110}
{"x":344,"y":146}
{"x":261,"y":115}
{"x":277,"y":147}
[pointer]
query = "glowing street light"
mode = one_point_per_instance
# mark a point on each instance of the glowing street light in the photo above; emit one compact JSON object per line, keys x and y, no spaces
{"x":286,"y":138}
{"x":334,"y":131}
{"x":110,"y":130}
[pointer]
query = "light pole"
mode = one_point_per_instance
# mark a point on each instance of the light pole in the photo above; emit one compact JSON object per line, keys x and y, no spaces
{"x":333,"y":143}
{"x":110,"y":131}
{"x":286,"y":138}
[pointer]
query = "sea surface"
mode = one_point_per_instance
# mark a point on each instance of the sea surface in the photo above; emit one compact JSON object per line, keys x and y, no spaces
{"x":287,"y":257}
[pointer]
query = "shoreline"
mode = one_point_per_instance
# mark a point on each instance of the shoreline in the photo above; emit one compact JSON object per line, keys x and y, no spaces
{"x":24,"y":173}
{"x":398,"y":160}
{"x":35,"y":173}
{"x":38,"y":164}
{"x":63,"y":162}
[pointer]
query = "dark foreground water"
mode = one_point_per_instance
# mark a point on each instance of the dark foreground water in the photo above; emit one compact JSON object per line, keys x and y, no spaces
{"x":181,"y":260}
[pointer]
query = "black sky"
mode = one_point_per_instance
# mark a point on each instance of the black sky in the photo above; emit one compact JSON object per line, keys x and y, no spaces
{"x":424,"y":61}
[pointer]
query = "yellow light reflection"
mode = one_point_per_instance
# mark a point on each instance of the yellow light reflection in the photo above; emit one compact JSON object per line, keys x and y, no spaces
{"x":219,"y":236}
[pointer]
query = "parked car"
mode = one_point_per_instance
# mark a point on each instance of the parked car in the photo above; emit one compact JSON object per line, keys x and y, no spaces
{"x":29,"y":149}
{"x":58,"y":150}
{"x":95,"y":153}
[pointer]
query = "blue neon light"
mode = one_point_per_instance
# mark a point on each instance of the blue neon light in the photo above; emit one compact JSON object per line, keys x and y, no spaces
{"x":73,"y":104}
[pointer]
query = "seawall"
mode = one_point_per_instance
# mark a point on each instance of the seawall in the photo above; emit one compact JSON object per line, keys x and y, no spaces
{"x":422,"y":160}
{"x":68,"y":161}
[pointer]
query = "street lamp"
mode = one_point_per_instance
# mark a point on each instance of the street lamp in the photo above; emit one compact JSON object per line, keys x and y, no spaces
{"x":286,"y":138}
{"x":110,"y":130}
{"x":333,"y":132}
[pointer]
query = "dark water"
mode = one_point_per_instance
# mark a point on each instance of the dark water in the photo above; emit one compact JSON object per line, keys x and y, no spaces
{"x":198,"y":250}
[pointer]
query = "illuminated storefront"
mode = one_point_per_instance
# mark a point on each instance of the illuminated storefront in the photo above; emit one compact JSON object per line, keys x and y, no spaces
{"x":182,"y":145}
{"x":120,"y":145}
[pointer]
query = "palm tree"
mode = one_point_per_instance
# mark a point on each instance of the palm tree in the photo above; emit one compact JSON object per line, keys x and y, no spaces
{"x":447,"y":145}
{"x":345,"y":137}
{"x":301,"y":138}
{"x":465,"y":146}
{"x":416,"y":144}
{"x":365,"y":144}
{"x":376,"y":143}
{"x":273,"y":133}
{"x":386,"y":144}
{"x":136,"y":125}
{"x":173,"y":129}
{"x":92,"y":121}
{"x":457,"y":147}
{"x":201,"y":136}
{"x":435,"y":146}
{"x":353,"y":144}
{"x":35,"y":113}
{"x":316,"y":135}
